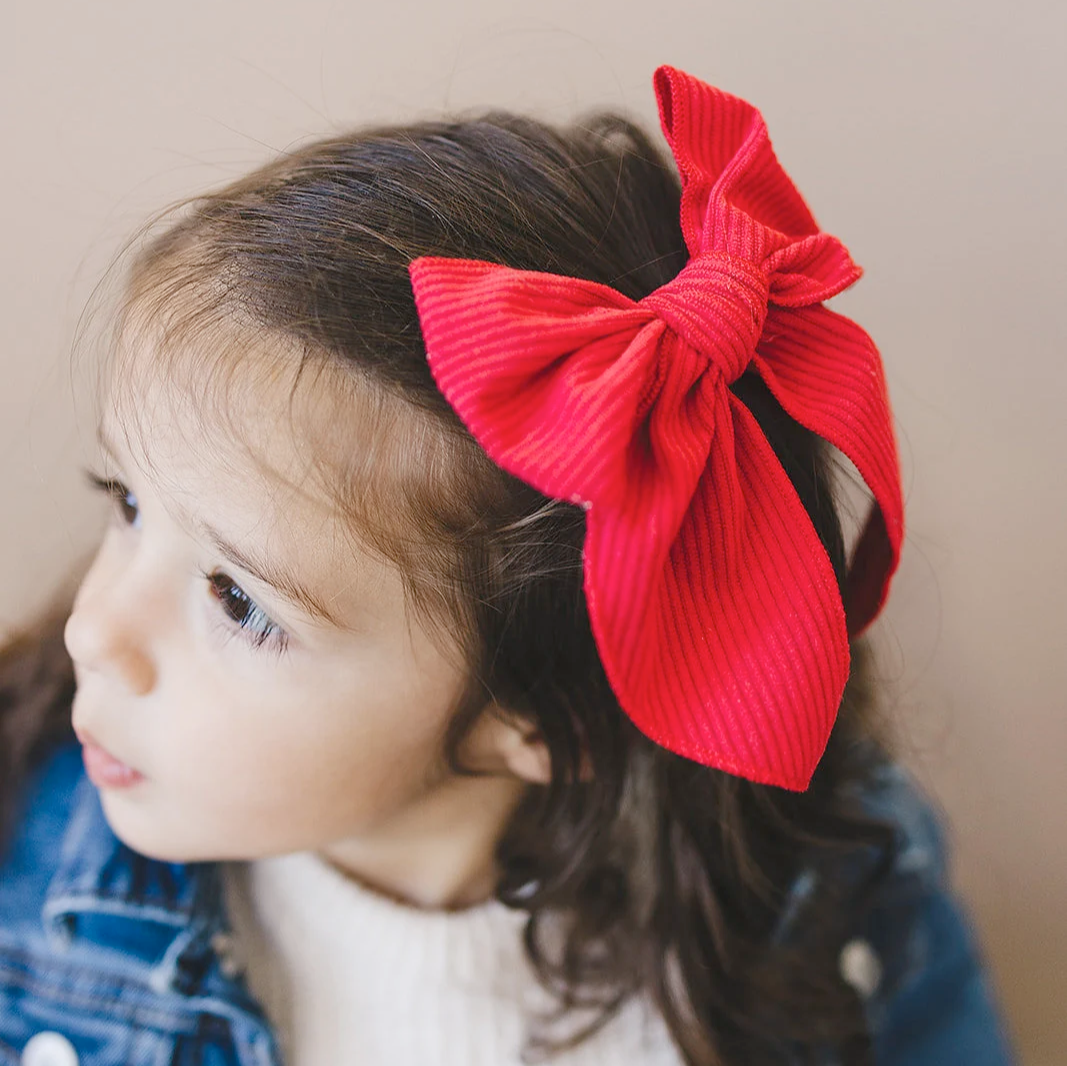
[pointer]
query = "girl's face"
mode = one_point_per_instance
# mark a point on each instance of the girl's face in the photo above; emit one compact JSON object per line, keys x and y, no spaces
{"x":233,"y":645}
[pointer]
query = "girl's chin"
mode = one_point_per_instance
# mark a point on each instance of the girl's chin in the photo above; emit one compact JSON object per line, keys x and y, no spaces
{"x":141,"y":829}
{"x":150,"y":837}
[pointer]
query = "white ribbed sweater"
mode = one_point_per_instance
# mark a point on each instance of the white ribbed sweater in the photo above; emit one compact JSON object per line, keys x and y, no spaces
{"x":348,"y":977}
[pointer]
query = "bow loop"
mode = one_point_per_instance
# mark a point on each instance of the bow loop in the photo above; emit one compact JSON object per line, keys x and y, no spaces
{"x":736,"y":197}
{"x":717,"y":304}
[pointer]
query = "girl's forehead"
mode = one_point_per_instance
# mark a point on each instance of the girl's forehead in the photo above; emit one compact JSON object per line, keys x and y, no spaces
{"x":234,"y":402}
{"x":245,"y":413}
{"x":191,"y":346}
{"x":253,"y":427}
{"x":244,"y":476}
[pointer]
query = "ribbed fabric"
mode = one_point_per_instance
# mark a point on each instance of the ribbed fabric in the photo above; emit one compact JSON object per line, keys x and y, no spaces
{"x":713,"y":602}
{"x":350,"y":978}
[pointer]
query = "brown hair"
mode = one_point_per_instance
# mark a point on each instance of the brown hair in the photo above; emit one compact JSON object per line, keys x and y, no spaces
{"x":670,"y":879}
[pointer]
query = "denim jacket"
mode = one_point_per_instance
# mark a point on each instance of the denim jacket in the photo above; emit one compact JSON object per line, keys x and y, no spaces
{"x":109,"y":958}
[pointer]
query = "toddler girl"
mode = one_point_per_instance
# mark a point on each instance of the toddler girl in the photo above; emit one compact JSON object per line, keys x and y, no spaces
{"x":471,"y":672}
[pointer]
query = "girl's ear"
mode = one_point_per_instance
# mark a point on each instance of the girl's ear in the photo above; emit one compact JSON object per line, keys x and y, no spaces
{"x":519,"y":748}
{"x":525,"y":753}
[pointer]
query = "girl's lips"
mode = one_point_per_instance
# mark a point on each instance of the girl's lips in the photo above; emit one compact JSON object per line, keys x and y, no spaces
{"x":104,"y":770}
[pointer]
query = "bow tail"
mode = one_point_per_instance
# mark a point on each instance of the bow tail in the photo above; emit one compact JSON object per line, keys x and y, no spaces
{"x":743,"y":656}
{"x":826,"y":372}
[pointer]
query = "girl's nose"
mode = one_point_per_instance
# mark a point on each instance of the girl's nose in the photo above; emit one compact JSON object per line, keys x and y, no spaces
{"x":101,"y":637}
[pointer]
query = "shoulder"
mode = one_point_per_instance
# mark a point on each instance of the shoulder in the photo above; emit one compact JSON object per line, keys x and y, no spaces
{"x":915,"y":957}
{"x":891,"y":795}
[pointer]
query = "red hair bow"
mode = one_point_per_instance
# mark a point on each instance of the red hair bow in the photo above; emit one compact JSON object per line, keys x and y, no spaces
{"x":713,"y":602}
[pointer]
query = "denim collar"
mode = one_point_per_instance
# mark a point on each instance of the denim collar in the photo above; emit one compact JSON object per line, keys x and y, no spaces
{"x":159,"y":921}
{"x":177,"y":908}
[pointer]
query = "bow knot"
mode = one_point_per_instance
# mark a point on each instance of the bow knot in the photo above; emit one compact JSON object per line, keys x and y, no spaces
{"x":717,"y":304}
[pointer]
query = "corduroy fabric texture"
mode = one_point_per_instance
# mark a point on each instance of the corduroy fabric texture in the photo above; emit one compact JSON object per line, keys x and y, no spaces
{"x":712,"y":600}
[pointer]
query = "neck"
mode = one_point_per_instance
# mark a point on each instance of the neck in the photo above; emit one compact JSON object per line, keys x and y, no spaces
{"x":439,"y":854}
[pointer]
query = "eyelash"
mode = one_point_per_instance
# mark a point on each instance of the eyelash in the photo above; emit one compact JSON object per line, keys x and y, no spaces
{"x":266,"y":635}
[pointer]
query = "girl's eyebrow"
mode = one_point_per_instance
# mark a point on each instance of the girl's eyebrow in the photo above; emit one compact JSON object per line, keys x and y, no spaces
{"x":279,"y":578}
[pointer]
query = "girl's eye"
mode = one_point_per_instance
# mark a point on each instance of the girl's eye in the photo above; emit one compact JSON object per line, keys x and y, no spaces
{"x":124,"y":500}
{"x":255,"y":624}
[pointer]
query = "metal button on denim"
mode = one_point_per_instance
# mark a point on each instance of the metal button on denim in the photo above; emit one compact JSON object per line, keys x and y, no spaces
{"x":225,"y":946}
{"x":49,"y":1049}
{"x":861,"y":967}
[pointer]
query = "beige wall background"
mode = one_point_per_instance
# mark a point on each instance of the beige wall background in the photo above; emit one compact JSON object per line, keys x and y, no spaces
{"x":928,"y":134}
